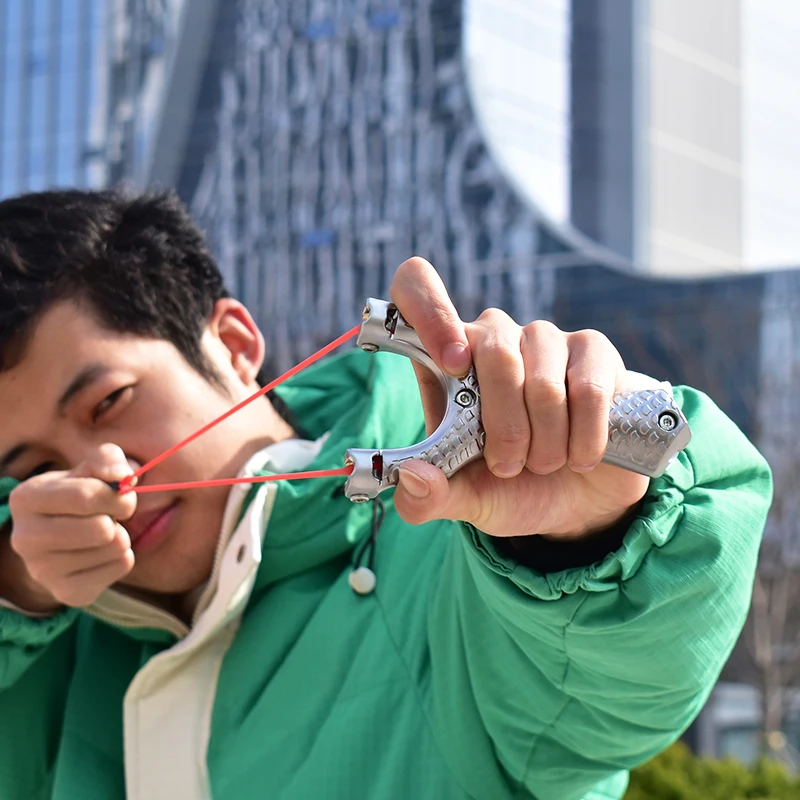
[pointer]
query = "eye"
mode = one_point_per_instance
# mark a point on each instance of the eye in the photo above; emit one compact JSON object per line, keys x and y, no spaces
{"x":47,"y":466}
{"x":108,"y":403}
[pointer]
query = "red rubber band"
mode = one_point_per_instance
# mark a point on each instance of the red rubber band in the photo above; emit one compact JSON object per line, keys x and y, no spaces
{"x":125,"y":483}
{"x":164,"y":487}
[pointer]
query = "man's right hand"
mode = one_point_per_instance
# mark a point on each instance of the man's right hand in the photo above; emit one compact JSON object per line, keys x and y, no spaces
{"x":66,"y":544}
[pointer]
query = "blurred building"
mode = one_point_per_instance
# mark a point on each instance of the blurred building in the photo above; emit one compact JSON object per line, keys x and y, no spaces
{"x":82,"y":86}
{"x":321,"y":143}
{"x":53,"y":89}
{"x":654,"y":129}
{"x":368,"y":153}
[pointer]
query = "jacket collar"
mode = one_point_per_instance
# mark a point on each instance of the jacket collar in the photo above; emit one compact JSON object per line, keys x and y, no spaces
{"x":362,"y":401}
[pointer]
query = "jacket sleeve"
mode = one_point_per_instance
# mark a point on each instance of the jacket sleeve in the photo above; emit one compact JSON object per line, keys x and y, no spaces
{"x":553,"y":685}
{"x":36,"y":660}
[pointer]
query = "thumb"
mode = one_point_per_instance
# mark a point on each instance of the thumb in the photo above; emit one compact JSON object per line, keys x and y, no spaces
{"x":107,"y":463}
{"x":424,"y":493}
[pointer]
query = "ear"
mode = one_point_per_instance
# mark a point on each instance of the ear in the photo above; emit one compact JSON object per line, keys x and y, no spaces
{"x":242,"y":344}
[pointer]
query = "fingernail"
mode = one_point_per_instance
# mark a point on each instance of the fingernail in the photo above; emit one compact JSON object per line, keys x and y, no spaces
{"x":455,"y":358}
{"x":413,"y":484}
{"x":507,"y":469}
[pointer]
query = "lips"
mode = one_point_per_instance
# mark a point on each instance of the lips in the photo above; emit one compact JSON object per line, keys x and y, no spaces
{"x":142,"y":522}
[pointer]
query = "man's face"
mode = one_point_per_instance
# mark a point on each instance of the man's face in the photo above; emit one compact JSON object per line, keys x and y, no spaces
{"x":79,"y":386}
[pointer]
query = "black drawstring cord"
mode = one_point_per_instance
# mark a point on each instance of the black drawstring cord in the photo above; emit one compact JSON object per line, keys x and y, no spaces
{"x":362,"y":578}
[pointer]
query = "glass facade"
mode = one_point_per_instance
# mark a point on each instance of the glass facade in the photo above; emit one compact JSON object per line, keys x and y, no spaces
{"x":52,"y":88}
{"x":82,"y":87}
{"x":142,"y":43}
{"x":344,"y":143}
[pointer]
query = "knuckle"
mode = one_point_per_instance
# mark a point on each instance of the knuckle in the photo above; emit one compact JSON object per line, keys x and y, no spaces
{"x":38,"y":571}
{"x":408,"y":277}
{"x":494,"y":316}
{"x":127,"y":562}
{"x":60,"y":593}
{"x":106,"y":530}
{"x":83,"y":497}
{"x":110,"y":451}
{"x":122,"y":539}
{"x":589,"y":392}
{"x":23,"y":496}
{"x":106,"y":456}
{"x":510,"y":433}
{"x":546,"y":392}
{"x":591,"y":338}
{"x":541,"y":328}
{"x":77,"y":595}
{"x":24,"y":542}
{"x":118,"y":569}
{"x":587,"y":453}
{"x":437,"y":319}
{"x":126,"y":505}
{"x":19,"y":540}
{"x":501,"y":354}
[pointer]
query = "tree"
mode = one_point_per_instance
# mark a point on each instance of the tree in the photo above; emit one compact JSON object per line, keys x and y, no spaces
{"x":678,"y":775}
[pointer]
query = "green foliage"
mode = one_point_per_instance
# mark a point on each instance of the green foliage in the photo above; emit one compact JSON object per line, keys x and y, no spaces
{"x":678,"y":775}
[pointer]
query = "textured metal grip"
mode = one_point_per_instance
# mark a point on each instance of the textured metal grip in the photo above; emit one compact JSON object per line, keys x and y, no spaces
{"x":646,"y":429}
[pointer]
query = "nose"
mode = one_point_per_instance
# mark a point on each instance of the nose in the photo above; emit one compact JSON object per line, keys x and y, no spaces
{"x":100,"y":460}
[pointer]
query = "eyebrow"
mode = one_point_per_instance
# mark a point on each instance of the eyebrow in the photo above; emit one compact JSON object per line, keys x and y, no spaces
{"x":87,"y":376}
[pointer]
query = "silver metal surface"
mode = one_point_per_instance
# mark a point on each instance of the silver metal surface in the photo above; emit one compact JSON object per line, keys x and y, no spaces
{"x":646,"y":429}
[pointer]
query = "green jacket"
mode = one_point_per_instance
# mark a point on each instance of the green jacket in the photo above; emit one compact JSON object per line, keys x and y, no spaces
{"x":464,"y":674}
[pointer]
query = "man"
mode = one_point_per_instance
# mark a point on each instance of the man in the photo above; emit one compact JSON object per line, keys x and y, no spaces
{"x":206,"y":643}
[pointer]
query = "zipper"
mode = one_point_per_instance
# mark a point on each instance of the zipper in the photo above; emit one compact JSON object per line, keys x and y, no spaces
{"x":234,"y":507}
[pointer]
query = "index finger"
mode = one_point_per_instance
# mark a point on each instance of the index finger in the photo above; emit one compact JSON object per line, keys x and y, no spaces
{"x":421,"y":297}
{"x":61,"y":494}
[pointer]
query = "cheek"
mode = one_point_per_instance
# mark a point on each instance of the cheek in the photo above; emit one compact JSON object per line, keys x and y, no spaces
{"x":217,"y":453}
{"x":179,"y":408}
{"x":162,"y":421}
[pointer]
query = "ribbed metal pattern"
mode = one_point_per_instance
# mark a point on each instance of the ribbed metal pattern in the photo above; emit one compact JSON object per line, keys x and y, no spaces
{"x":346,"y":144}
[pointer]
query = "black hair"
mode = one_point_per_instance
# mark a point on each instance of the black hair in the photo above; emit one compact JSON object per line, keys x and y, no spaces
{"x":138,"y":262}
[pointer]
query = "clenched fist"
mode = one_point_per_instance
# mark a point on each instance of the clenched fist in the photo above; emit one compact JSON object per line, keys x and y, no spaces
{"x":67,"y":544}
{"x":545,"y":400}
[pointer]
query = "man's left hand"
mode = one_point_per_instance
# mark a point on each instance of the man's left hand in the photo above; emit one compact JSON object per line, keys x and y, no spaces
{"x":545,"y":401}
